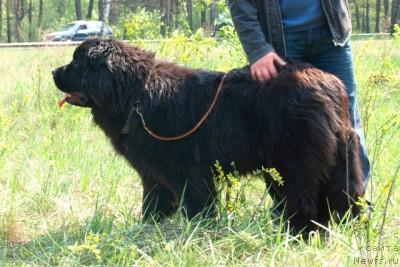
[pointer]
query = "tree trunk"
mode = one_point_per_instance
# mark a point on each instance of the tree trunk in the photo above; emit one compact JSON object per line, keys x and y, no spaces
{"x":203,"y":19}
{"x":1,"y":18}
{"x":90,"y":9}
{"x":397,"y":20}
{"x":395,"y":6}
{"x":366,"y":24}
{"x":176,"y":15}
{"x":386,"y":17}
{"x":78,"y":9}
{"x":101,"y":10}
{"x":395,"y":14}
{"x":392,"y":14}
{"x":213,"y":15}
{"x":358,"y":21}
{"x":19,"y":9}
{"x":115,"y":12}
{"x":377,"y":16}
{"x":189,"y":9}
{"x":166,"y":16}
{"x":385,"y":8}
{"x":163,"y":27}
{"x":8,"y":21}
{"x":40,"y":18}
{"x":107,"y":7}
{"x":367,"y":17}
{"x":30,"y":11}
{"x":169,"y":14}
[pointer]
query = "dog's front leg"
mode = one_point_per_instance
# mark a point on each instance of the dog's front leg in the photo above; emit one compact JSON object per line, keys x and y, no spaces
{"x":158,"y":201}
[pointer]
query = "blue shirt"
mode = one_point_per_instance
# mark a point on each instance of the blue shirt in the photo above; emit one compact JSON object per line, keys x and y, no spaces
{"x":298,"y":15}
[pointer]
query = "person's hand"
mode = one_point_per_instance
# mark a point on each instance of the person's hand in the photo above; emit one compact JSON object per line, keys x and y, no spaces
{"x":265,"y":67}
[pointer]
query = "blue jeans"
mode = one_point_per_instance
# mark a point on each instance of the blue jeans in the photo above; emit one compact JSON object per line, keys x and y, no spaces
{"x":316,"y":47}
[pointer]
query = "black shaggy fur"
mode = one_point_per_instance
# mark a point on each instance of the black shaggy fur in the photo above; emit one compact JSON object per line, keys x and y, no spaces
{"x":297,"y":123}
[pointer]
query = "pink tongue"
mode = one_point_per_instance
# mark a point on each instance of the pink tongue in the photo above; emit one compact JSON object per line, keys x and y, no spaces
{"x":63,"y":100}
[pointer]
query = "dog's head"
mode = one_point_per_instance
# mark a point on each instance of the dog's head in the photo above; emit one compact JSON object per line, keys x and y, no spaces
{"x":102,"y":74}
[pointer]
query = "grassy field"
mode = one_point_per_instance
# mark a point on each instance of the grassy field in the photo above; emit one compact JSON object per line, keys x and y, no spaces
{"x":68,"y":200}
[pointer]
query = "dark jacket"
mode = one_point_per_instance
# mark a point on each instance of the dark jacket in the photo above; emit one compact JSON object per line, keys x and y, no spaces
{"x":260,"y":29}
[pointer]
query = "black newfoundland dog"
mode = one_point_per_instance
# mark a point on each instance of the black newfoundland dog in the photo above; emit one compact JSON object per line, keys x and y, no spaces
{"x":297,"y":123}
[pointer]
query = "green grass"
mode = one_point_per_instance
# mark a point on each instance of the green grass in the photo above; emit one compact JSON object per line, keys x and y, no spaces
{"x":68,"y":200}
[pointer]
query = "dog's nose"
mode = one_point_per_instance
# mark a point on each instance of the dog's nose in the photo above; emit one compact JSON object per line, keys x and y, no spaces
{"x":54,"y":72}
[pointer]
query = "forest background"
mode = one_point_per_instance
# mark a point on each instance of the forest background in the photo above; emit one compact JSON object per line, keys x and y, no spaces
{"x":29,"y":20}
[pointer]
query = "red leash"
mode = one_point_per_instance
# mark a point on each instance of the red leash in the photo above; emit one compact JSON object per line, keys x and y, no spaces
{"x":194,"y":129}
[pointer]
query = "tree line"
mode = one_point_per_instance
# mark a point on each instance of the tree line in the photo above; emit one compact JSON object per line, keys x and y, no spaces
{"x":375,"y":16}
{"x":28,"y":20}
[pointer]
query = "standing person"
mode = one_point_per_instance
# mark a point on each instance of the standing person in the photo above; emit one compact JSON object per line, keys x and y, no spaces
{"x":314,"y":31}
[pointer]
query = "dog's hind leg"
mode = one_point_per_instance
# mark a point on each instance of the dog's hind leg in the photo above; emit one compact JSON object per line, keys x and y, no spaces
{"x":300,"y":197}
{"x":195,"y":193}
{"x":347,"y":176}
{"x":304,"y":156}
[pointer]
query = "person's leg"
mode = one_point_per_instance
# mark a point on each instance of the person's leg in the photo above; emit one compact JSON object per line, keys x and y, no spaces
{"x":323,"y":54}
{"x":296,"y":45}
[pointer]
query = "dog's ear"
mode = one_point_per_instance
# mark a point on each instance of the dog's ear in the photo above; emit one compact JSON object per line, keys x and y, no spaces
{"x":97,"y":83}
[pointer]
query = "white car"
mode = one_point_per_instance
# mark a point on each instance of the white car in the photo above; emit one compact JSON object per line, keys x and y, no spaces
{"x":79,"y":31}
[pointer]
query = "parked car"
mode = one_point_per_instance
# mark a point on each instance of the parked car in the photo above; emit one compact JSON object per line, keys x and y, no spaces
{"x":79,"y":31}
